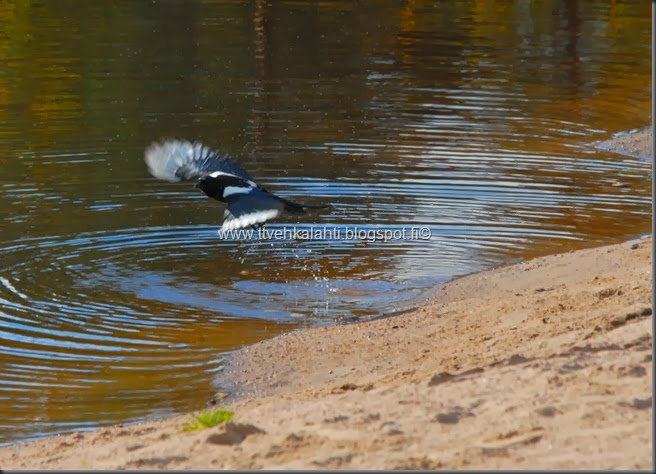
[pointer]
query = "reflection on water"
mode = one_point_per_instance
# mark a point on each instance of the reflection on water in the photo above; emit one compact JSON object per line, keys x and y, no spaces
{"x":118,"y":300}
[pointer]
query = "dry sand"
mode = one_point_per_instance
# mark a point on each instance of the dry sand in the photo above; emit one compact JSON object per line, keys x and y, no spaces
{"x":541,"y":365}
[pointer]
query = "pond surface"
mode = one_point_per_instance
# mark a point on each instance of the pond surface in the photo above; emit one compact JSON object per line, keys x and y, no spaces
{"x":475,"y":120}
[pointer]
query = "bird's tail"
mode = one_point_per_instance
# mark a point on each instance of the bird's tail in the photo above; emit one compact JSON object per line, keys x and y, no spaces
{"x":297,"y":208}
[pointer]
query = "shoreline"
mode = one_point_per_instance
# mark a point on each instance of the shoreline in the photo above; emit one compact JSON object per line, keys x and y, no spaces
{"x":569,"y":333}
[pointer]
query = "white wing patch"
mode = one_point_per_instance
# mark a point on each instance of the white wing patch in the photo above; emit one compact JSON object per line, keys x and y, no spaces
{"x":246,"y":220}
{"x":232,"y":190}
{"x":217,"y":174}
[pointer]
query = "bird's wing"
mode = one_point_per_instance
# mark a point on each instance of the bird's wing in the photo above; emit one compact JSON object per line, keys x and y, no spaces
{"x":175,"y":160}
{"x":247,"y":209}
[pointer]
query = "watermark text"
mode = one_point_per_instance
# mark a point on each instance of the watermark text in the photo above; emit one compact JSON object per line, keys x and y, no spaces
{"x":367,"y":234}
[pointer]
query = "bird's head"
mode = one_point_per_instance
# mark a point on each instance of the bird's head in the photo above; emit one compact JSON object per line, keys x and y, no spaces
{"x":211,"y":187}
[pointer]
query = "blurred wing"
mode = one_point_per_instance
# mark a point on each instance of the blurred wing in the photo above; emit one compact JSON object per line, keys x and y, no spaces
{"x":175,"y":160}
{"x":256,"y":207}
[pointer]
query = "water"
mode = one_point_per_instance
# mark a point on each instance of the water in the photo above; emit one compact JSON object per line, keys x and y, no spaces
{"x":119,"y":301}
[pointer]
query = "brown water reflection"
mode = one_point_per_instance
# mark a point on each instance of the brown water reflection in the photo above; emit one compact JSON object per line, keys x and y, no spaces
{"x":474,"y":119}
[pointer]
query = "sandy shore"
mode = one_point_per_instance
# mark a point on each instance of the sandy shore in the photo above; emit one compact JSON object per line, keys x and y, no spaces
{"x":541,"y":365}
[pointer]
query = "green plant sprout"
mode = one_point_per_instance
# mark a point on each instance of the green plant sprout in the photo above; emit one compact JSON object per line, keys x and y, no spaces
{"x":209,"y":418}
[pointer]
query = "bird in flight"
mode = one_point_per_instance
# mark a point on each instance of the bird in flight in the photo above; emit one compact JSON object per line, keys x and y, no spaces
{"x":220,"y":178}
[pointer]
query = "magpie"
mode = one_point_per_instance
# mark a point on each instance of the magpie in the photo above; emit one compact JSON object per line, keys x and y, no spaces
{"x":221,"y":178}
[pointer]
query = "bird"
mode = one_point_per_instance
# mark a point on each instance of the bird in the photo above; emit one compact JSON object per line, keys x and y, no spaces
{"x":220,"y":177}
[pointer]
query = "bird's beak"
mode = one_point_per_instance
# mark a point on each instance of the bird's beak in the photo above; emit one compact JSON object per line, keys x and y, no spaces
{"x":197,"y":185}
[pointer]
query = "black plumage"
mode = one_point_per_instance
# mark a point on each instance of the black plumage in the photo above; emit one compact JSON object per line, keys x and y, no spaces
{"x":220,"y":178}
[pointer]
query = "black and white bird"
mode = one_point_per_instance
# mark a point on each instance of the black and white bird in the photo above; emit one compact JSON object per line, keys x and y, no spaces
{"x":220,"y":178}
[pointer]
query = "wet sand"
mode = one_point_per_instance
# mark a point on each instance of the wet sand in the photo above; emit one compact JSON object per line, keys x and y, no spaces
{"x":636,"y":143}
{"x":545,"y":364}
